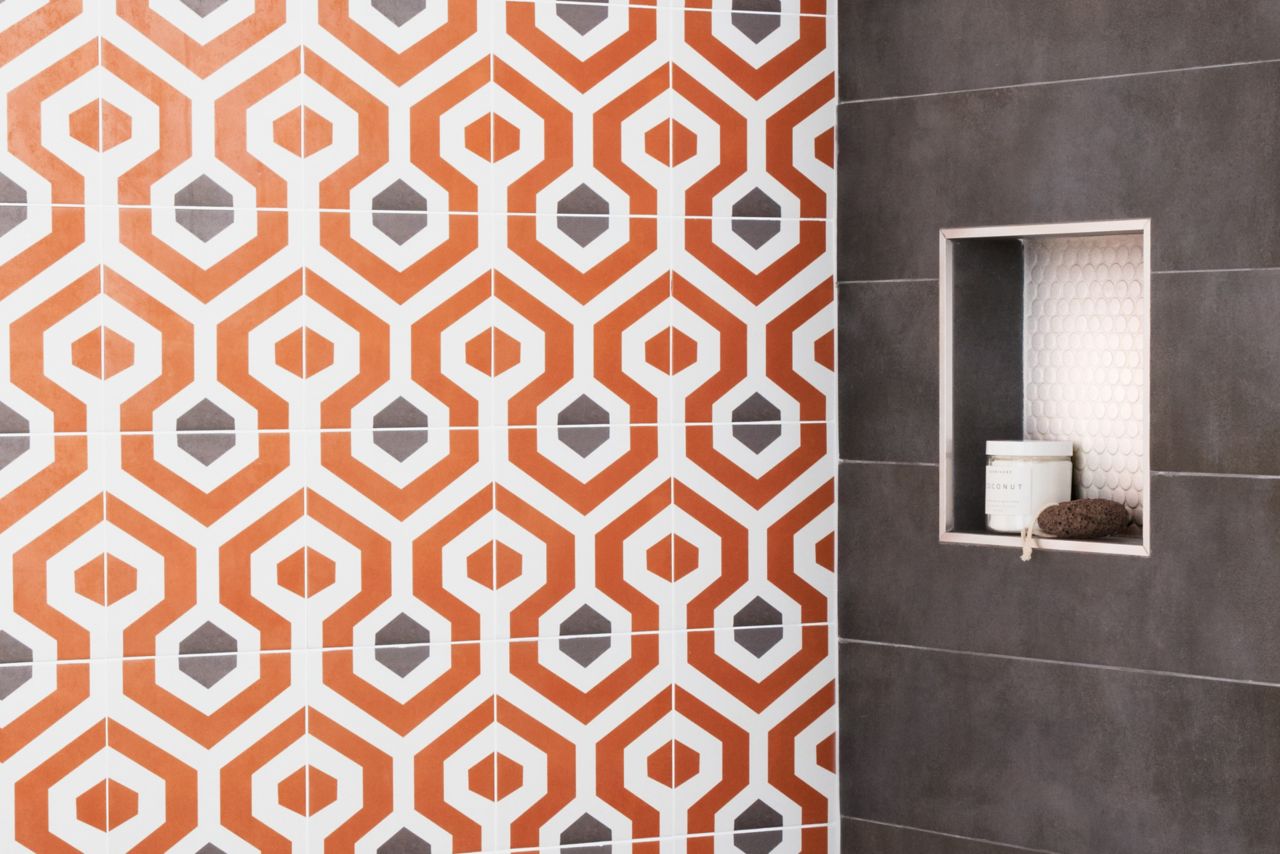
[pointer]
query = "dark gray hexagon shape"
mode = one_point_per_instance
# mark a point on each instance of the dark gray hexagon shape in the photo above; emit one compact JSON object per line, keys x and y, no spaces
{"x":402,"y":629}
{"x":400,"y":429}
{"x":206,"y":447}
{"x":207,"y":638}
{"x":400,"y":12}
{"x":399,"y":212}
{"x":584,"y":635}
{"x":757,"y":218}
{"x":401,"y":660}
{"x":15,"y":667}
{"x":206,"y":415}
{"x":582,"y":16}
{"x":400,"y":413}
{"x":409,"y":638}
{"x":585,"y":830}
{"x":757,"y":830}
{"x":14,"y":441}
{"x":13,"y":205}
{"x":582,"y":410}
{"x":203,"y":208}
{"x":203,"y":7}
{"x":583,"y":425}
{"x":13,"y":651}
{"x":12,"y":421}
{"x":583,"y":215}
{"x":208,"y":670}
{"x":756,"y":423}
{"x":757,"y":627}
{"x":403,"y":841}
{"x":13,"y":677}
{"x":757,"y":20}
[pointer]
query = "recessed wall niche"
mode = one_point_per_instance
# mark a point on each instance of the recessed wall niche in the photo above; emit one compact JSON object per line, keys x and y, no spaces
{"x":1044,"y":334}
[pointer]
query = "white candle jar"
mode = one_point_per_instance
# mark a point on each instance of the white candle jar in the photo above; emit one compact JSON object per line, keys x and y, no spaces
{"x":1023,"y":478}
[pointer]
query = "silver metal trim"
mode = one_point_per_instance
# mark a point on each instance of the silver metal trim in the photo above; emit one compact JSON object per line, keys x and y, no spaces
{"x":946,"y":452}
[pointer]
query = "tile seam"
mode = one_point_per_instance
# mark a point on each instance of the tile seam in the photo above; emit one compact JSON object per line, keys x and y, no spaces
{"x":1154,"y":473}
{"x":483,"y":641}
{"x":1114,"y":668}
{"x":1011,"y":846}
{"x":1180,"y":272}
{"x":1060,"y":81}
{"x":889,"y":463}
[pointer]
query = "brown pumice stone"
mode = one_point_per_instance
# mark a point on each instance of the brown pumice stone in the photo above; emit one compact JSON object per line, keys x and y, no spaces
{"x":1084,"y":519}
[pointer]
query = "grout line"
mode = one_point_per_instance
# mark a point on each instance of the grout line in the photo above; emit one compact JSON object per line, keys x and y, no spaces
{"x":835,"y":431}
{"x":673,"y":601}
{"x":100,"y":177}
{"x":1215,"y":474}
{"x":1187,"y":272}
{"x":888,"y":463}
{"x":437,"y":430}
{"x":708,"y":835}
{"x":983,"y":840}
{"x":487,"y":213}
{"x":305,"y":463}
{"x":1065,"y":80}
{"x":484,"y":641}
{"x":885,"y":281}
{"x":1215,"y":270}
{"x":665,"y":5}
{"x":1113,"y":668}
{"x":492,"y":655}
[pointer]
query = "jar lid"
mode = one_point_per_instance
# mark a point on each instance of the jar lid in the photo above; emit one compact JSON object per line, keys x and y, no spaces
{"x":1029,"y":449}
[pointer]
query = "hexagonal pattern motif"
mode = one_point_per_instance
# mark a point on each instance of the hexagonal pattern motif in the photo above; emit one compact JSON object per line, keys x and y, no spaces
{"x":413,"y":429}
{"x":204,"y":432}
{"x":203,"y":208}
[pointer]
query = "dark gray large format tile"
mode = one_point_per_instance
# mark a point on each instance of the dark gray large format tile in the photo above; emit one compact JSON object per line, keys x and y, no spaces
{"x":863,"y":837}
{"x":1077,"y":760}
{"x":1207,"y":601}
{"x":1215,"y":372}
{"x":889,"y":371}
{"x":1187,"y":150}
{"x":908,"y":47}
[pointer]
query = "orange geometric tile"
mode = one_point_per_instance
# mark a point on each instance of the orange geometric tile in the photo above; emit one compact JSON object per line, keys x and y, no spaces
{"x":310,"y":459}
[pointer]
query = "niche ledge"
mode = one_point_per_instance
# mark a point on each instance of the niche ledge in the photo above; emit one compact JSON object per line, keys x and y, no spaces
{"x":1044,"y":334}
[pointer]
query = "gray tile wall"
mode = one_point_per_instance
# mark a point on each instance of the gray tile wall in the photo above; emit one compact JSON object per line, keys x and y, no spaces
{"x":1075,"y":704}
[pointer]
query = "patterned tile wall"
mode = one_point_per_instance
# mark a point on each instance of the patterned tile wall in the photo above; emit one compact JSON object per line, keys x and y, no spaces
{"x":415,"y":426}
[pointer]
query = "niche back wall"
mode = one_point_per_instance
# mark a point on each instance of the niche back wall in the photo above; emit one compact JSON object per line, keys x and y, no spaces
{"x":1075,"y":704}
{"x":414,"y":426}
